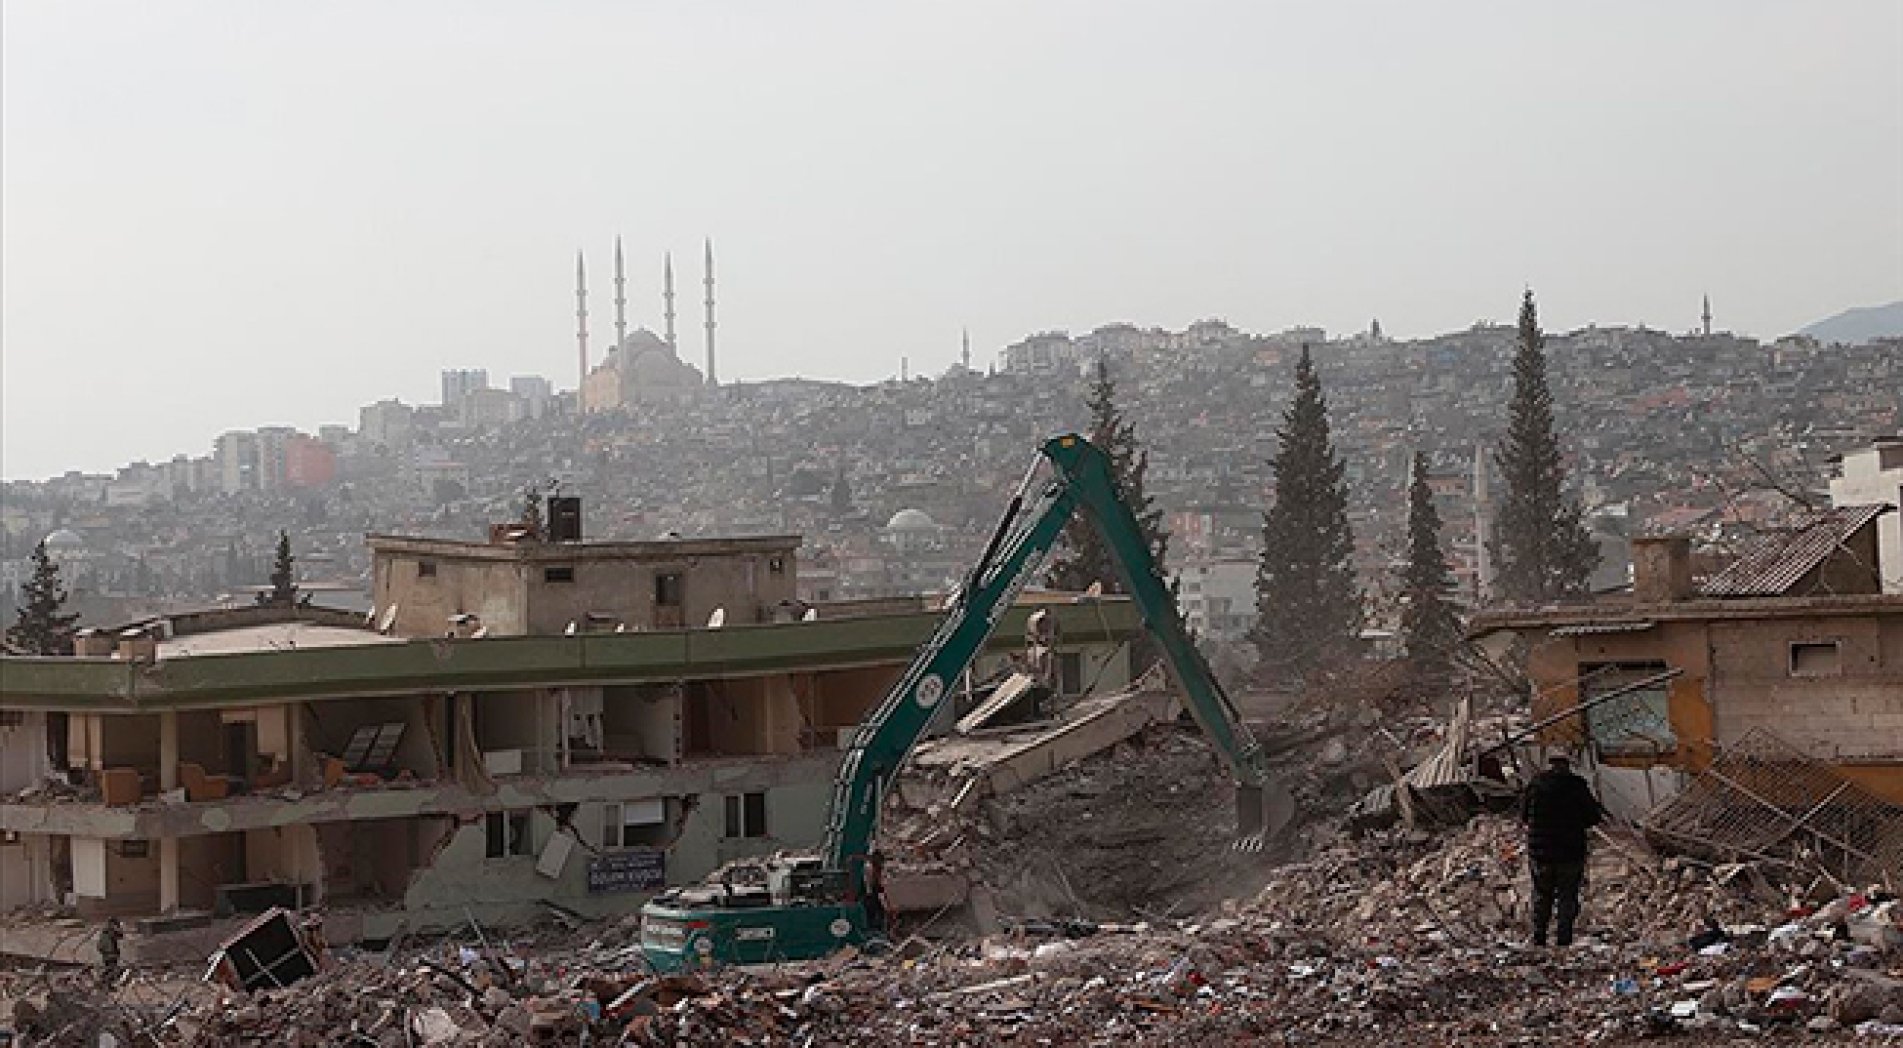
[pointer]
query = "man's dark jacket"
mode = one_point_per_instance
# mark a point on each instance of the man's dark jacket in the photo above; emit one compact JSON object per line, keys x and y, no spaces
{"x":1558,"y":809}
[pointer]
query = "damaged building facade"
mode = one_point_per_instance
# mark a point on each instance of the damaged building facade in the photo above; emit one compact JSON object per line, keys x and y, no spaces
{"x":1794,"y":640}
{"x":501,"y":733}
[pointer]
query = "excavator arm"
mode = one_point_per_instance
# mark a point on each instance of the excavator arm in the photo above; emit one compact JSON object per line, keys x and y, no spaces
{"x":1081,"y":479}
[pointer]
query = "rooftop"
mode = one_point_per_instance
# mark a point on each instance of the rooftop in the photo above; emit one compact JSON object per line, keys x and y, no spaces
{"x":1632,"y":616}
{"x":277,"y":636}
{"x":1780,"y":561}
{"x":250,"y":675}
{"x":659,"y":549}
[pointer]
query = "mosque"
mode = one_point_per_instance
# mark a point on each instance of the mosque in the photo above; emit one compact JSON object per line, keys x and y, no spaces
{"x":641,"y":365}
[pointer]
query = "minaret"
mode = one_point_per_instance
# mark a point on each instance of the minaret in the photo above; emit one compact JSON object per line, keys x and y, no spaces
{"x":708,"y":280}
{"x":621,"y":298}
{"x":667,"y":295}
{"x":581,"y":318}
{"x":1707,"y":315}
{"x":965,"y":354}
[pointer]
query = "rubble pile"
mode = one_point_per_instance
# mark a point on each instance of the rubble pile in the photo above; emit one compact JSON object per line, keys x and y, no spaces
{"x":1143,"y":830}
{"x":1403,"y":938}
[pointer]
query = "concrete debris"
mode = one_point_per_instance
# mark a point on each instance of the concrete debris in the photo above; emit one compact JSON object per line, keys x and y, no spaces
{"x":1384,"y":939}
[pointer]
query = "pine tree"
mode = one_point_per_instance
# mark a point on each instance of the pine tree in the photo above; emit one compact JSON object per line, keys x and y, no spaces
{"x":42,"y":627}
{"x":283,"y":573}
{"x":1430,"y":624}
{"x":1307,"y":608}
{"x":1543,"y":549}
{"x":1083,"y":557}
{"x":532,"y":512}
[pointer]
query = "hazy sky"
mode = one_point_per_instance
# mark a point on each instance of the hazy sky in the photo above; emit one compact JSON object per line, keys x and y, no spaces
{"x":225,"y":215}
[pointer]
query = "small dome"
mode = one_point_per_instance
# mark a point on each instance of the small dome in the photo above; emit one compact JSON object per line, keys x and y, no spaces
{"x":911,"y":520}
{"x":65,"y":538}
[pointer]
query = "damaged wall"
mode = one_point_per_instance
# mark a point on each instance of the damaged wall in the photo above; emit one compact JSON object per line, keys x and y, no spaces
{"x":26,"y":871}
{"x":99,"y":741}
{"x":23,"y":758}
{"x":839,"y":699}
{"x":460,"y":874}
{"x":748,"y":716}
{"x":1850,"y":707}
{"x":285,"y":855}
{"x":642,"y":722}
{"x":518,"y":720}
{"x":375,"y":859}
{"x":1832,"y":685}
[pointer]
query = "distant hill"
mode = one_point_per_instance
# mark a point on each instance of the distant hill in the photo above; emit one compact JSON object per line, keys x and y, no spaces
{"x":1859,"y":325}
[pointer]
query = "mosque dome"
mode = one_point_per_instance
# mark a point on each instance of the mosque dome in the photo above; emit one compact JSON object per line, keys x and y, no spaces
{"x":911,"y":520}
{"x":65,"y":539}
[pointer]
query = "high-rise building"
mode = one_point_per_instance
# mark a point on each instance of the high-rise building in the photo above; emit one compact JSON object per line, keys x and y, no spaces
{"x":387,"y":423}
{"x":459,"y":383}
{"x":235,"y":455}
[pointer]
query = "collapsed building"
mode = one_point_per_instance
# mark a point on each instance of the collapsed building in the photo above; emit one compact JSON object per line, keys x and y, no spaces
{"x":516,"y":723}
{"x":1732,"y":712}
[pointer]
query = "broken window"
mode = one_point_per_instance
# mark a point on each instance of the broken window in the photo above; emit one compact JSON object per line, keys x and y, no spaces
{"x":507,"y":834}
{"x":776,"y":564}
{"x":559,"y":573}
{"x":1816,"y":659}
{"x":746,"y":815}
{"x":1637,"y":722}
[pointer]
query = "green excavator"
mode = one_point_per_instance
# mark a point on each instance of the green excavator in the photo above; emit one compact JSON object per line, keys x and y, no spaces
{"x":792,"y":908}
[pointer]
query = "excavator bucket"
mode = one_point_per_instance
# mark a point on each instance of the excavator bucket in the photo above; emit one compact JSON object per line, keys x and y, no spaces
{"x":1262,"y":812}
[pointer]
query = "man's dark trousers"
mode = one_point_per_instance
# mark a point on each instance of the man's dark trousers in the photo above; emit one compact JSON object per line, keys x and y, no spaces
{"x":1556,"y":888}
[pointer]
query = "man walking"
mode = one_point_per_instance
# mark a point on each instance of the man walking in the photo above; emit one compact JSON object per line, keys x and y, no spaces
{"x":109,"y":952}
{"x":1558,"y":808}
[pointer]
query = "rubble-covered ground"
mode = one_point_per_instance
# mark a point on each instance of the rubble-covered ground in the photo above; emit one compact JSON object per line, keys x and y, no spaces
{"x":1154,"y":932}
{"x":1401,"y":939}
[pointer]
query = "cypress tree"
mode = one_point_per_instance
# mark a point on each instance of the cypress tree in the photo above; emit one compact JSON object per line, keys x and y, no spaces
{"x":1543,"y":549}
{"x":1307,"y":607}
{"x":42,"y":627}
{"x":1083,"y":557}
{"x":283,"y":573}
{"x":532,"y":512}
{"x":1430,"y":624}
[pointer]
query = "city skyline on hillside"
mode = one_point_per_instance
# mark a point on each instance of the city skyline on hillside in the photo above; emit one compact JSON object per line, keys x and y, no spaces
{"x":227,"y":217}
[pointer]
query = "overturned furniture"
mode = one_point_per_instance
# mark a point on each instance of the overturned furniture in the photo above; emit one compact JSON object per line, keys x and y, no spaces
{"x":273,"y":950}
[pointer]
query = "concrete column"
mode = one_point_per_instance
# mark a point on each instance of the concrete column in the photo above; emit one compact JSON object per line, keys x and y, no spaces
{"x":168,"y":750}
{"x":301,"y":771}
{"x":168,"y":874}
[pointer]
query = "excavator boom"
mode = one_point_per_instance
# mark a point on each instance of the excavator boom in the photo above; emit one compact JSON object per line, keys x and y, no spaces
{"x":818,"y":904}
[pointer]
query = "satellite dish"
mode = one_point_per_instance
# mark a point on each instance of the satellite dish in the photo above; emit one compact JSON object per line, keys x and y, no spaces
{"x":481,"y":632}
{"x":570,"y":631}
{"x":717,"y":619}
{"x":389,"y":618}
{"x":1095,"y":592}
{"x":370,"y":617}
{"x":812,"y":615}
{"x":621,"y":627}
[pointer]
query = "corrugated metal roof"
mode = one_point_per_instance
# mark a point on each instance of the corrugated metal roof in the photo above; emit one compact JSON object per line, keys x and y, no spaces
{"x":1585,"y":629}
{"x":1780,"y":561}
